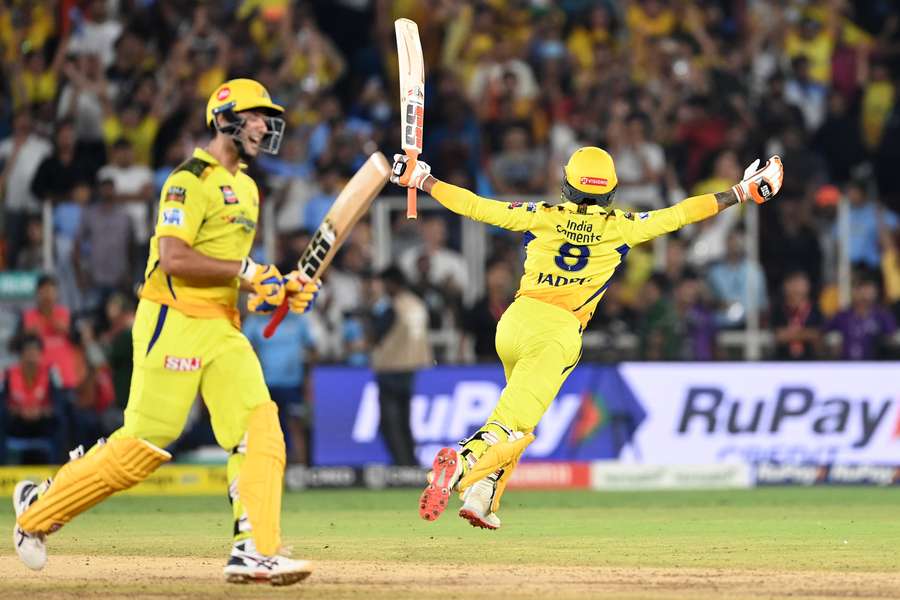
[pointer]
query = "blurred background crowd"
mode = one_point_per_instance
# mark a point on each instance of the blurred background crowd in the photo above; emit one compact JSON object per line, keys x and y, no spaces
{"x":101,"y":99}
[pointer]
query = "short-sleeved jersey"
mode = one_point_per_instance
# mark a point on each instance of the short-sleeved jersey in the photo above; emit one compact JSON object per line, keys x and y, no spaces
{"x":215,"y":212}
{"x":572,"y":251}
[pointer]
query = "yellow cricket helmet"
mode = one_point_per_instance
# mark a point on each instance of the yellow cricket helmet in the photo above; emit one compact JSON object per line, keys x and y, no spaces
{"x":237,"y":95}
{"x":589,"y":177}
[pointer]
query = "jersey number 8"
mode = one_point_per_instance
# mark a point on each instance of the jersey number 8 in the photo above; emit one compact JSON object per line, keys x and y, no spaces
{"x":569,"y":252}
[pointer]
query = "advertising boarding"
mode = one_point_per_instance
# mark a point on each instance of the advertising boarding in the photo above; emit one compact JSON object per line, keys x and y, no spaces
{"x":640,"y":413}
{"x":594,"y":415}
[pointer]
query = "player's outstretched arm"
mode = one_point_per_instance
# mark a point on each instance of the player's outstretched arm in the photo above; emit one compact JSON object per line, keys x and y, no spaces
{"x":758,"y":184}
{"x":517,"y":217}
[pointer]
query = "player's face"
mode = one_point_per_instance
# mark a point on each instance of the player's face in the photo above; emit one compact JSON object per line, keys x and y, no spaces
{"x":254,"y":130}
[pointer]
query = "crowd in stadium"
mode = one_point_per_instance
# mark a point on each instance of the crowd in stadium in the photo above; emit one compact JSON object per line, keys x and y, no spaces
{"x":101,"y":99}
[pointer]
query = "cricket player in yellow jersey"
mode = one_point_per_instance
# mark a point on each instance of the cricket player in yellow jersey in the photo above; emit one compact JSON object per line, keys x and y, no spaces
{"x":573,"y":249}
{"x":187,"y":340}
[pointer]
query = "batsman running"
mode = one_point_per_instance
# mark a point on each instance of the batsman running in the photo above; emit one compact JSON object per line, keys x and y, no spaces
{"x":187,"y":339}
{"x":573,"y":250}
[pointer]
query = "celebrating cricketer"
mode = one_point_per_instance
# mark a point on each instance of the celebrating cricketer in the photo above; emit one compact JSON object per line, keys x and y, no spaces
{"x":573,"y":250}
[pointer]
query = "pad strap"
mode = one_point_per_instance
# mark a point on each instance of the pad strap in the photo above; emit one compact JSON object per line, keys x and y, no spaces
{"x":502,"y":455}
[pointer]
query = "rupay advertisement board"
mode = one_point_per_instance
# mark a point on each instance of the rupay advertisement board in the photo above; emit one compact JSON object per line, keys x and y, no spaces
{"x":642,"y":413}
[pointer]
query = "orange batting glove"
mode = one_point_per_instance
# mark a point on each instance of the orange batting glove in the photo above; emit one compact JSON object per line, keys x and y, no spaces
{"x":403,"y":176}
{"x":758,"y":184}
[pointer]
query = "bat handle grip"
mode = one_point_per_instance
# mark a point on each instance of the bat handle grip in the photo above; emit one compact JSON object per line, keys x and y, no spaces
{"x":411,"y":203}
{"x":276,"y":319}
{"x":411,"y":211}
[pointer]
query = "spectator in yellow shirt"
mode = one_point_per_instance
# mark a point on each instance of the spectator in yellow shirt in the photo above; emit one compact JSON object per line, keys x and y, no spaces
{"x":34,"y":82}
{"x":135,"y":124}
{"x":24,"y":27}
{"x":810,"y":39}
{"x":890,"y":267}
{"x":140,"y":130}
{"x":879,"y":97}
{"x":650,"y":18}
{"x":647,"y":20}
{"x":584,"y":38}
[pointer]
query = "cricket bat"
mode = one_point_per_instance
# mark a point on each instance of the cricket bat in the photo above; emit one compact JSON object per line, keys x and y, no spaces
{"x":412,"y":97}
{"x":350,"y":205}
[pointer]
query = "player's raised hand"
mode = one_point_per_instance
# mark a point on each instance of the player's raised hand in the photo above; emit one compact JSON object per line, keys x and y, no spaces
{"x":267,"y":283}
{"x":301,"y":291}
{"x":760,"y":184}
{"x":403,"y":176}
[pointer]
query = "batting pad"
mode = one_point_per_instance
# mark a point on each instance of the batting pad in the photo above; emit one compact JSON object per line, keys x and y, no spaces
{"x":502,"y":455}
{"x":80,"y":484}
{"x":261,"y":478}
{"x":520,"y":445}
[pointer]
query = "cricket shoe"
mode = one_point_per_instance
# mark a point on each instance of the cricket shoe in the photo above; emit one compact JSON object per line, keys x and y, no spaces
{"x":30,"y":547}
{"x":477,"y":501}
{"x":246,"y":565}
{"x":446,"y":471}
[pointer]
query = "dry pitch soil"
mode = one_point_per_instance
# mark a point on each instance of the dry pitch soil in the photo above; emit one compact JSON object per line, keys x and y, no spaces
{"x":71,"y":576}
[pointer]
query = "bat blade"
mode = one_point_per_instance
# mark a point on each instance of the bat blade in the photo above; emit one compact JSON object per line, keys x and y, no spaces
{"x":350,"y":205}
{"x":412,"y":97}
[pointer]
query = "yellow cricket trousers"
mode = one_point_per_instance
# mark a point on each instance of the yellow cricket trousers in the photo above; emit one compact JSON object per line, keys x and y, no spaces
{"x":177,"y":356}
{"x":539,"y":345}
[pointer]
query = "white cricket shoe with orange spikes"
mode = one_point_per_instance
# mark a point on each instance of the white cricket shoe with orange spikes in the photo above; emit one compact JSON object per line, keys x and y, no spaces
{"x":477,"y":501}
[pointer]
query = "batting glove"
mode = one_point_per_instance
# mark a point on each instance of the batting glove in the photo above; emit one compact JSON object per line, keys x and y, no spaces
{"x":403,"y":176}
{"x":268,"y":286}
{"x":301,"y":291}
{"x":758,"y":184}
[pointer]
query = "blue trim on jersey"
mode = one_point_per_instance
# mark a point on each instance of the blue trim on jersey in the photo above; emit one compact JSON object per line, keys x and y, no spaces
{"x":171,"y":289}
{"x":160,"y":321}
{"x":576,"y":360}
{"x":156,"y":264}
{"x":623,"y":251}
{"x":526,"y":238}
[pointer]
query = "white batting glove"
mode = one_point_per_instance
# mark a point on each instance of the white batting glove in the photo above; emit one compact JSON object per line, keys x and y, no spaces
{"x":412,"y":179}
{"x":762,"y":184}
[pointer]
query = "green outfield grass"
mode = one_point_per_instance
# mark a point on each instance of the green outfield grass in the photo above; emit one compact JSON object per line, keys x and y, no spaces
{"x":776,"y":530}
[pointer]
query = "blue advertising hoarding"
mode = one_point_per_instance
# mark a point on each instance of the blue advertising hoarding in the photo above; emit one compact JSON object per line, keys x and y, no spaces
{"x":640,"y":413}
{"x":593,"y":416}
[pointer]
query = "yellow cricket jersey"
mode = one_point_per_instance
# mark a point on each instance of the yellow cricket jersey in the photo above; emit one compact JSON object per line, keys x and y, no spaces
{"x":818,"y":50}
{"x":215,"y":212}
{"x":572,"y":251}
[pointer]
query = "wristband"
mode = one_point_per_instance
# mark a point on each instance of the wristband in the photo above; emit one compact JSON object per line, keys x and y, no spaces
{"x":248,"y":269}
